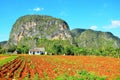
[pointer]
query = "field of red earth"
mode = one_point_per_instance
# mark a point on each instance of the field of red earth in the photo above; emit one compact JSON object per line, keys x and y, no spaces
{"x":49,"y":67}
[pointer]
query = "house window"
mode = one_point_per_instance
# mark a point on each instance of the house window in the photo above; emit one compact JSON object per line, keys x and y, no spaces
{"x":37,"y":51}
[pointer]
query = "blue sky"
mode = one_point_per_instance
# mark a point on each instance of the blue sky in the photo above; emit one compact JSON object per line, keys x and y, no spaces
{"x":100,"y":15}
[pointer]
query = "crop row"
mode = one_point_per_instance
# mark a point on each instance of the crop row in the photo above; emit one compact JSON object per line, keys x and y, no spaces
{"x":9,"y":70}
{"x":50,"y":67}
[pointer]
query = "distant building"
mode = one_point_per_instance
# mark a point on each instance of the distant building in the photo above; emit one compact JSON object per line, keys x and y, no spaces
{"x":37,"y":51}
{"x":15,"y":52}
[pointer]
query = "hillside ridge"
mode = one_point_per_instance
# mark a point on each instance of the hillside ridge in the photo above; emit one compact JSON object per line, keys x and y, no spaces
{"x":28,"y":29}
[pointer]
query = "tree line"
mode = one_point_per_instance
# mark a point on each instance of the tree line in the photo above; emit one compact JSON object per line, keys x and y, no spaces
{"x":63,"y":47}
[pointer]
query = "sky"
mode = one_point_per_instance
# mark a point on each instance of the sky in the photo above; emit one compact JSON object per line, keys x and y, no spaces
{"x":99,"y":15}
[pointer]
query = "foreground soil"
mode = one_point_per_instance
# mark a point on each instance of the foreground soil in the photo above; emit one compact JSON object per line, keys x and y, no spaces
{"x":49,"y":67}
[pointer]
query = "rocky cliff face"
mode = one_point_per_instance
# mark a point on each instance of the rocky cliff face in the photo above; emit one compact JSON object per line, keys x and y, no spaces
{"x":32,"y":27}
{"x":95,"y":39}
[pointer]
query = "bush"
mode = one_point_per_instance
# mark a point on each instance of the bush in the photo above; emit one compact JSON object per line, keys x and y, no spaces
{"x":22,"y":49}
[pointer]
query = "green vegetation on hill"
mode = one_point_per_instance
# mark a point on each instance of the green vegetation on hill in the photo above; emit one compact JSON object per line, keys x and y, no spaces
{"x":32,"y":31}
{"x":53,"y":46}
{"x":38,"y":26}
{"x":95,"y":39}
{"x":60,"y":47}
{"x":3,"y":43}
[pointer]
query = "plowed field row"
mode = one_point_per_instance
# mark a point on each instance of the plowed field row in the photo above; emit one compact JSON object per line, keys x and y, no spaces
{"x":50,"y":67}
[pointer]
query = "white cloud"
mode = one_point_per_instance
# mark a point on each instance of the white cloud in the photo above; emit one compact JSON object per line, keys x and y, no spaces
{"x":37,"y":9}
{"x":93,"y":27}
{"x":114,"y":24}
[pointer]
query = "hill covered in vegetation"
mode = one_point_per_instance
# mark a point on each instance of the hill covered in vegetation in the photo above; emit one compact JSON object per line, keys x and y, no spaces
{"x":27,"y":29}
{"x":32,"y":31}
{"x":95,"y":39}
{"x":3,"y":43}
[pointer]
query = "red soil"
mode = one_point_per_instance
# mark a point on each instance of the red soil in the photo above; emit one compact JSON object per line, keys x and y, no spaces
{"x":53,"y":66}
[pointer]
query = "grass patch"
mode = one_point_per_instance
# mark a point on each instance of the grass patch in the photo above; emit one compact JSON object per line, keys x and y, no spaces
{"x":81,"y":75}
{"x":7,"y":60}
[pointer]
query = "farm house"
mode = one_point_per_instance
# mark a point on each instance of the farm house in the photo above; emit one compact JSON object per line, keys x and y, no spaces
{"x":37,"y":51}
